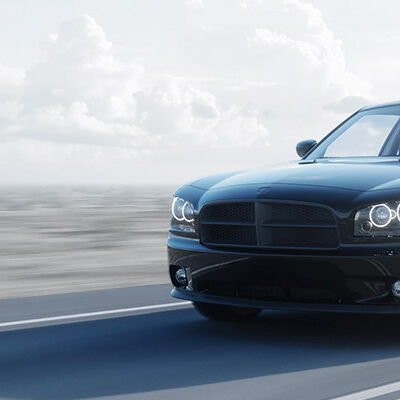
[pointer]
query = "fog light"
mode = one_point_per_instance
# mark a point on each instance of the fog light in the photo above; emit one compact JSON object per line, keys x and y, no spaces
{"x":396,"y":289}
{"x":180,"y":276}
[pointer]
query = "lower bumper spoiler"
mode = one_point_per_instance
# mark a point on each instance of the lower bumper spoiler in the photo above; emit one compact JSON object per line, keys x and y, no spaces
{"x":288,"y":306}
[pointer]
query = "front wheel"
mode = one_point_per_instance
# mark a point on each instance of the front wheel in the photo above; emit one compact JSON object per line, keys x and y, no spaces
{"x":219,"y":312}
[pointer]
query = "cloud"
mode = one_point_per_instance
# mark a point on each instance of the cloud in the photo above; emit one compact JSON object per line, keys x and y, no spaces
{"x":348,"y":104}
{"x":295,"y":62}
{"x":74,"y":124}
{"x":83,"y":93}
{"x":194,"y":3}
{"x":12,"y":81}
{"x":304,"y":52}
{"x":81,"y":65}
{"x":183,"y":114}
{"x":10,"y":110}
{"x":11,"y":77}
{"x":266,"y":76}
{"x":238,"y":128}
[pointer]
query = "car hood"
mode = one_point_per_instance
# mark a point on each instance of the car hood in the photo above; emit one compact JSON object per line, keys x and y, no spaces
{"x":367,"y":174}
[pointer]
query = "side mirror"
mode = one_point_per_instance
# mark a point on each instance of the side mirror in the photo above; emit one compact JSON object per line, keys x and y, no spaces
{"x":305,"y":146}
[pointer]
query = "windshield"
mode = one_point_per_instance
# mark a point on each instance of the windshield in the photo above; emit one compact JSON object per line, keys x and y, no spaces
{"x":368,"y":133}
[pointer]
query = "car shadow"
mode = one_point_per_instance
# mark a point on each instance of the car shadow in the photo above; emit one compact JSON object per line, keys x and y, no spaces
{"x":179,"y":348}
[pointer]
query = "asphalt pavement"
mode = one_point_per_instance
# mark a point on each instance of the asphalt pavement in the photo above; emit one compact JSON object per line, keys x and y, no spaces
{"x":173,"y":353}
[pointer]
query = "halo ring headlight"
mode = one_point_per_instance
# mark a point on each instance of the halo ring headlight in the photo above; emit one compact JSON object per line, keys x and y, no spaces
{"x":373,"y":216}
{"x":177,"y":209}
{"x":188,"y":209}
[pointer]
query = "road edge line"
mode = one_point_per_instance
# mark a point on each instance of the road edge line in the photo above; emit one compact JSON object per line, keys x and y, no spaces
{"x":371,"y":393}
{"x":91,"y":314}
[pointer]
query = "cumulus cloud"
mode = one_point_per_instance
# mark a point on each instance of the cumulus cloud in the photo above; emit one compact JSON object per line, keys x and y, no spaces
{"x":81,"y":92}
{"x":84,"y":93}
{"x":278,"y":58}
{"x":10,"y":110}
{"x":194,"y":3}
{"x":318,"y":52}
{"x":12,"y":81}
{"x":238,"y":127}
{"x":81,"y":65}
{"x":180,"y":114}
{"x":302,"y":53}
{"x":348,"y":104}
{"x":11,"y":77}
{"x":267,"y":76}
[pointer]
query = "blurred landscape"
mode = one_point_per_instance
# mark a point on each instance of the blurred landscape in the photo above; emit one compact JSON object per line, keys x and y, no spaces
{"x":57,"y":239}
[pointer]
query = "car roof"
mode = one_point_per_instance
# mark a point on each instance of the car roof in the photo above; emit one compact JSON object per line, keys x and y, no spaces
{"x":388,"y":104}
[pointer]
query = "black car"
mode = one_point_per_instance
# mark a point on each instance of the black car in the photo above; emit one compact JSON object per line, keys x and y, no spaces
{"x":321,"y":233}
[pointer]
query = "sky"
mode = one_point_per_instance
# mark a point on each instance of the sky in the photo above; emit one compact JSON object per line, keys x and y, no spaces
{"x":155,"y":91}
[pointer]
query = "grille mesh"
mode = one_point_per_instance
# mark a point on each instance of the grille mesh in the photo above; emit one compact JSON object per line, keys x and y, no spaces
{"x":229,"y":212}
{"x":299,"y":214}
{"x":268,"y":225}
{"x":239,"y":235}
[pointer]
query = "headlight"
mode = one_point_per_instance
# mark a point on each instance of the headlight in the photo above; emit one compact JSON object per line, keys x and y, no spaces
{"x":183,"y":216}
{"x":379,"y":220}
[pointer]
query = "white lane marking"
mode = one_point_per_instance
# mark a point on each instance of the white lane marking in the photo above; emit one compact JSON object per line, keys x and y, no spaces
{"x":371,"y":393}
{"x":91,"y":314}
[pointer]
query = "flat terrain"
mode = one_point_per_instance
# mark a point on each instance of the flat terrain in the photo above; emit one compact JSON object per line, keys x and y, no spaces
{"x":58,"y":239}
{"x":176,"y":354}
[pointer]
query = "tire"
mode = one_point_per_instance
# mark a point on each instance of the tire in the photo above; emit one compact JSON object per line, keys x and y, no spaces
{"x":219,"y":312}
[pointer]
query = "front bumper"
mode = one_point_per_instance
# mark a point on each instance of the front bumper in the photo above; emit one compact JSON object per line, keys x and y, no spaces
{"x":184,"y":294}
{"x":317,"y":282}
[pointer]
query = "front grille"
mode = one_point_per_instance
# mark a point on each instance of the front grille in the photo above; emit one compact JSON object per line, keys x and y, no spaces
{"x":266,"y":224}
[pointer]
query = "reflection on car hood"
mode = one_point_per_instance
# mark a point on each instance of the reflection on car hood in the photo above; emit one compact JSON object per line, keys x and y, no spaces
{"x":354,"y":174}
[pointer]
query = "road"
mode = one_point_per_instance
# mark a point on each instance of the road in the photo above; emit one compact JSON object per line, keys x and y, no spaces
{"x":173,"y":353}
